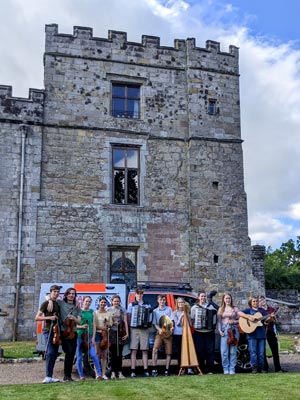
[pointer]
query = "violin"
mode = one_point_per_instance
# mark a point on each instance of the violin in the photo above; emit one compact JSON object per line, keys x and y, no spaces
{"x":85,"y":339}
{"x":56,"y":334}
{"x":104,"y":342}
{"x":121,"y":329}
{"x":69,"y":332}
{"x":231,"y":340}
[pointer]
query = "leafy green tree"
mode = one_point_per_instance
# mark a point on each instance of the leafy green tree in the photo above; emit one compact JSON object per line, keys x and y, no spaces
{"x":282,"y":266}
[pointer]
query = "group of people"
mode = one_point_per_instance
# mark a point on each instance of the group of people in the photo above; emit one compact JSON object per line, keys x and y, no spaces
{"x":108,"y":329}
{"x":81,"y":331}
{"x":258,"y":335}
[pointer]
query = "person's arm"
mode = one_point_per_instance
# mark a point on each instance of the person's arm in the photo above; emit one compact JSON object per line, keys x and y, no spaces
{"x":40,"y":316}
{"x":219,"y":319}
{"x":129,"y":311}
{"x":126,"y":324}
{"x":94,"y":328}
{"x":246,"y":316}
{"x":172,"y":319}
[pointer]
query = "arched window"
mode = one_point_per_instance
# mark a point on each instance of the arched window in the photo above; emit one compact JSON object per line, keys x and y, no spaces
{"x":123,"y":262}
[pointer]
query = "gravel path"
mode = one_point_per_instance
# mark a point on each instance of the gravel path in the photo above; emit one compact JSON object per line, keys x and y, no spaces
{"x":34,"y":371}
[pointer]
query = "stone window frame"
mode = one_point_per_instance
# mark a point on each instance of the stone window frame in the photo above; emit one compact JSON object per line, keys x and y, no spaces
{"x":119,"y":275}
{"x":133,"y":81}
{"x":126,"y":168}
{"x":126,"y":113}
{"x":212,"y":108}
{"x":142,"y":144}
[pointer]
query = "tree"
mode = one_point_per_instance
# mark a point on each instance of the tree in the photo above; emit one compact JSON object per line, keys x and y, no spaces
{"x":282,"y":266}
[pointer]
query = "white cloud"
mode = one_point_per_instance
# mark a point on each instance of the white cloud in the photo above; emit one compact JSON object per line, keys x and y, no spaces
{"x":294,"y":211}
{"x":269,"y":231}
{"x":270,"y":80}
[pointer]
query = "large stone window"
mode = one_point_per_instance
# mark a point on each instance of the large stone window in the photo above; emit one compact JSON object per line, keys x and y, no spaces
{"x":125,"y":174}
{"x":125,"y":100}
{"x":123,"y":262}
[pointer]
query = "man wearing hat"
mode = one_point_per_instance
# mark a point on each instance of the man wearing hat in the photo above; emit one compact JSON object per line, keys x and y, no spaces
{"x":139,"y":329}
{"x":50,"y":318}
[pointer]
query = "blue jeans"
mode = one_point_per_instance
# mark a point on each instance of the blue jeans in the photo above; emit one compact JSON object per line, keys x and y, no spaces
{"x":257,"y":352}
{"x":51,"y":354}
{"x":93,"y":356}
{"x":228,"y":352}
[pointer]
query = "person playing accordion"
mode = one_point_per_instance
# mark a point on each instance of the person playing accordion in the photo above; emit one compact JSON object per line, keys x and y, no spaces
{"x":139,"y":316}
{"x":204,"y":320}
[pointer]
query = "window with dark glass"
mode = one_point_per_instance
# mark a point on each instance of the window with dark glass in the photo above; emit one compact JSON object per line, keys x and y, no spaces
{"x":125,"y":175}
{"x":125,"y":100}
{"x":123,"y":262}
{"x":212,"y":107}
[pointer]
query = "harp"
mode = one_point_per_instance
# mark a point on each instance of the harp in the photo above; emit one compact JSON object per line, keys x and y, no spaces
{"x":188,"y":352}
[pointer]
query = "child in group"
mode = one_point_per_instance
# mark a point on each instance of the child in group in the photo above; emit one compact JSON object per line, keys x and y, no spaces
{"x":228,"y":328}
{"x":84,"y":338}
{"x":102,"y":323}
{"x":256,"y":339}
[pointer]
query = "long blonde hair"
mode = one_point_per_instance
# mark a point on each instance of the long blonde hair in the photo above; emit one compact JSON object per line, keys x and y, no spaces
{"x":185,"y":303}
{"x":223,"y":305}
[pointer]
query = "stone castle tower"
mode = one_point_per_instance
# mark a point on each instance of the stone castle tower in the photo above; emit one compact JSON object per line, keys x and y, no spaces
{"x":127,"y":165}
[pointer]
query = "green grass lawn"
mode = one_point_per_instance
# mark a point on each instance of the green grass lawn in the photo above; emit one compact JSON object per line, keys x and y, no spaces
{"x":24,"y":349}
{"x":214,"y":387}
{"x":208,"y":387}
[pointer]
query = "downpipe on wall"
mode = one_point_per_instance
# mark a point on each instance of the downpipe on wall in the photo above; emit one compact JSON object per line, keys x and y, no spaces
{"x":24,"y":131}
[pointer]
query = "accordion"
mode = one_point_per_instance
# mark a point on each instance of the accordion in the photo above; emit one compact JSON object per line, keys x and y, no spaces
{"x":141,"y":316}
{"x":205,"y":318}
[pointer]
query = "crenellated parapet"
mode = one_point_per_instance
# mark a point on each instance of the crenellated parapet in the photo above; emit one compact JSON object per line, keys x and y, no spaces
{"x":21,"y":109}
{"x":116,"y":47}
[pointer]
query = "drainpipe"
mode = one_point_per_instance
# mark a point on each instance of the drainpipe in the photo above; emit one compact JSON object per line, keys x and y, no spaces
{"x":23,"y":129}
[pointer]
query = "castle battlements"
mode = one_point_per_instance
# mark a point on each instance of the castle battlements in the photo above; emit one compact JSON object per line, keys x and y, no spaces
{"x":17,"y":108}
{"x":149,"y":51}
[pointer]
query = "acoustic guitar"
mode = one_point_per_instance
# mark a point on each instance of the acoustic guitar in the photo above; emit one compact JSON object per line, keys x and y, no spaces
{"x":250,"y":326}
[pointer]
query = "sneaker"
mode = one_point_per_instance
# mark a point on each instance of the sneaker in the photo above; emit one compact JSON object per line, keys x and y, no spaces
{"x":154,"y":373}
{"x":281,"y":371}
{"x":232,"y":373}
{"x":133,"y":375}
{"x":82,"y":379}
{"x":146,"y":374}
{"x":190,"y":371}
{"x":104,"y":377}
{"x":210,"y":373}
{"x":48,"y":379}
{"x":167,"y":373}
{"x":113,"y":375}
{"x":254,"y":370}
{"x":68,"y":379}
{"x":99,"y":378}
{"x":121,"y":376}
{"x":226,"y":372}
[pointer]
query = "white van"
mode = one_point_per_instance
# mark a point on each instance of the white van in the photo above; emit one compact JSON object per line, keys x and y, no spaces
{"x":95,"y":290}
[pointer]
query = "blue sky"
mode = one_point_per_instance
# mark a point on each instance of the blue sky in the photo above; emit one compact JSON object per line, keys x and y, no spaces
{"x":267,"y":33}
{"x":271,"y":19}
